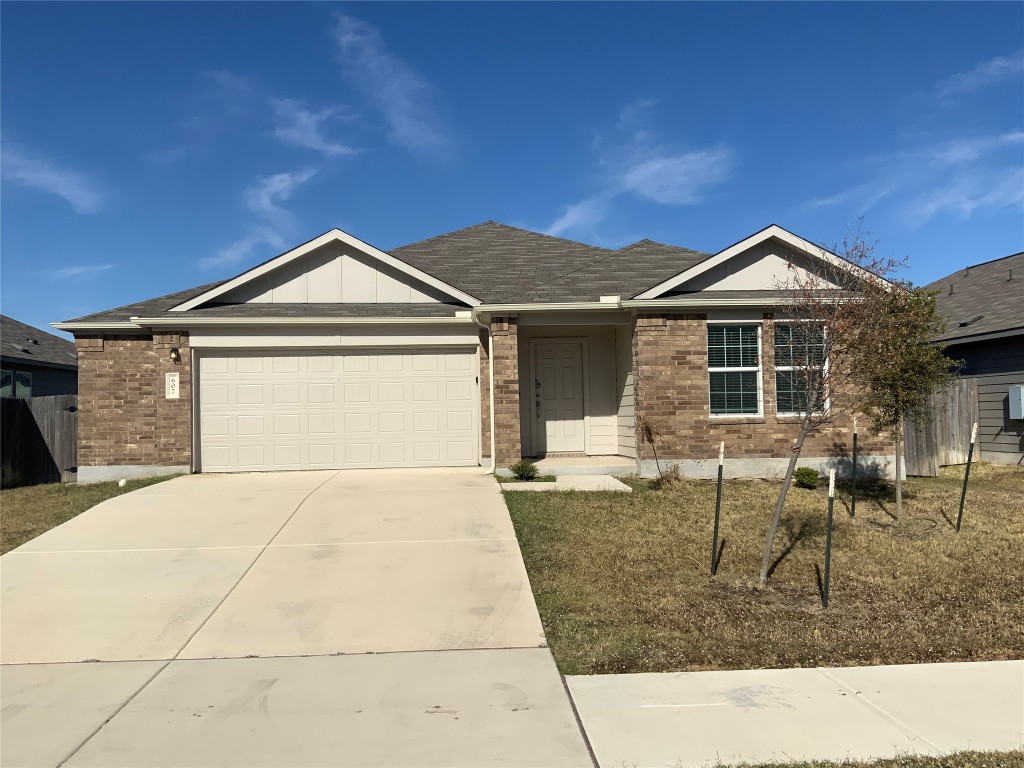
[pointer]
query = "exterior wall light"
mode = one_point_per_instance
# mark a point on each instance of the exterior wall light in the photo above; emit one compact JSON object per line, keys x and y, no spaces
{"x":175,"y":355}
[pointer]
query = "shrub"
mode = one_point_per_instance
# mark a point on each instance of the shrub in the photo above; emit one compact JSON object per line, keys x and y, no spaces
{"x":806,"y":477}
{"x":670,"y":478}
{"x":524,"y":470}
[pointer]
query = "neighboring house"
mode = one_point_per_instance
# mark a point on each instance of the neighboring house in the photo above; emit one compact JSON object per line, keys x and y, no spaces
{"x":487,"y":341}
{"x":983,"y":306}
{"x":34,"y":363}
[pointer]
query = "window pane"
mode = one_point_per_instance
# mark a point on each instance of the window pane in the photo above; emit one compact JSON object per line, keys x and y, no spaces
{"x":6,"y":383}
{"x":732,"y":346}
{"x":799,"y":344}
{"x":733,"y":392}
{"x":22,"y":384}
{"x":791,"y":391}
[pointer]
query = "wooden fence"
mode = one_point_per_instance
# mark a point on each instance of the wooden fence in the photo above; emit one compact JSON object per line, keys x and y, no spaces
{"x":942,"y":438}
{"x":38,"y":440}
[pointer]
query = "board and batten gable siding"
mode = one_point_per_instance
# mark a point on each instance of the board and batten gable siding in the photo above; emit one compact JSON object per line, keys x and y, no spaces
{"x":334,"y":273}
{"x":763,"y":267}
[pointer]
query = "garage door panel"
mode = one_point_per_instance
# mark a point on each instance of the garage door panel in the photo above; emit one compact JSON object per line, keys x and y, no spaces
{"x":265,"y":412}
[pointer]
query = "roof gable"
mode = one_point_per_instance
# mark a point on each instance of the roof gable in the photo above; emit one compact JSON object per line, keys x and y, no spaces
{"x":761,"y":261}
{"x":265,"y":277}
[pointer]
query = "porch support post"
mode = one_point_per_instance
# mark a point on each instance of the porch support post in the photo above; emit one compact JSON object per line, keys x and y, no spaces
{"x":505,"y":365}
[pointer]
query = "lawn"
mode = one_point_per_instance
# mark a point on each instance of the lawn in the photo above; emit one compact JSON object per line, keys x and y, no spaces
{"x":27,"y":512}
{"x":623,"y":583}
{"x":955,"y":760}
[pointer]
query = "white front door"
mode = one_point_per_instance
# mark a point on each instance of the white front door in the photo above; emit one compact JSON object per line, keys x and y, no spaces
{"x":558,"y":397}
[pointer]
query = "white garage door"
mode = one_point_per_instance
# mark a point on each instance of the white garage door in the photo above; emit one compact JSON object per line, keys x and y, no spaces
{"x":320,"y":411}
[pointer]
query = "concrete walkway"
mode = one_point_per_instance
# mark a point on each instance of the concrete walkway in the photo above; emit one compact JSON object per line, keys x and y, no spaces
{"x":354,"y":618}
{"x":692,"y":719}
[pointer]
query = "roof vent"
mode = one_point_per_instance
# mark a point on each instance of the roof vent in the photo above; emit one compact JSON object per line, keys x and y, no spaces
{"x":950,"y":289}
{"x":972,"y":321}
{"x":33,"y":341}
{"x":1011,"y":275}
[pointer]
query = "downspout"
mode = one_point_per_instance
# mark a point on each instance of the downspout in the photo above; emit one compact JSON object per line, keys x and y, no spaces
{"x":490,"y":387}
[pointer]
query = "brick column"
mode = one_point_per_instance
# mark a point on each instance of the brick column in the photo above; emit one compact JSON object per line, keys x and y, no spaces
{"x":485,"y":397}
{"x":505,"y":351}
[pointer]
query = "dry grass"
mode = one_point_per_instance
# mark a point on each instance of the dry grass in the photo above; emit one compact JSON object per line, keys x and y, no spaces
{"x":27,"y":512}
{"x":623,"y":580}
{"x":955,"y":760}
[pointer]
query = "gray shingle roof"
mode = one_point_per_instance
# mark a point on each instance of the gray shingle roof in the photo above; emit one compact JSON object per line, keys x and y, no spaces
{"x":493,"y":262}
{"x":982,"y":297}
{"x":24,"y":342}
{"x":147,"y":308}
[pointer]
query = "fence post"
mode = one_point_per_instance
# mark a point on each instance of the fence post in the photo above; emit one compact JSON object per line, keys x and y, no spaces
{"x":718,"y":509}
{"x":967,"y":474}
{"x":828,"y":537}
{"x":853,"y":493}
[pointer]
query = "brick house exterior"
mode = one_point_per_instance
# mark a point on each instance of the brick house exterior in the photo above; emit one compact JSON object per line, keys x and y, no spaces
{"x":487,"y":342}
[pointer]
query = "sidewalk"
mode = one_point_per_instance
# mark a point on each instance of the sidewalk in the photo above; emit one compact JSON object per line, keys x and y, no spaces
{"x":703,"y":718}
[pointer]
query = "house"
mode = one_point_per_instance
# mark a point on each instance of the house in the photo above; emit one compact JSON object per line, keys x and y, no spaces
{"x":983,"y":306}
{"x":490,"y":341}
{"x":34,"y":363}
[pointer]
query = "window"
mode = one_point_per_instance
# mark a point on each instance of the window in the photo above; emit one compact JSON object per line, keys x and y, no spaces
{"x":22,"y":384}
{"x":799,"y":359}
{"x":734,"y":369}
{"x":15,"y":383}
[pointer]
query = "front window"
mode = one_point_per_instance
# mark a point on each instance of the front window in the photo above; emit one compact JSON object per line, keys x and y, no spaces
{"x":6,"y":383}
{"x":734,"y":369}
{"x":22,"y":384}
{"x":799,"y":365}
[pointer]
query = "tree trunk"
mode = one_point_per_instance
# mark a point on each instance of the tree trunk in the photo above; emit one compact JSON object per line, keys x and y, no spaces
{"x":899,"y":477}
{"x":766,"y":559}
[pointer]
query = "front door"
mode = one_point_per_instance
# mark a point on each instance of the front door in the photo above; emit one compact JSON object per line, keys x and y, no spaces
{"x":558,"y":397}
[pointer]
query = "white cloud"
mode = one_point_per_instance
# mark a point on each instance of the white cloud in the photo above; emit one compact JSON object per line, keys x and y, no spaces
{"x":240,"y":250}
{"x":678,"y":179}
{"x":983,"y":75}
{"x":78,"y":270}
{"x":40,"y":173}
{"x":954,"y":177}
{"x":583,"y":215}
{"x":301,"y":127}
{"x":263,"y":196}
{"x":402,"y":95}
{"x":638,"y":165}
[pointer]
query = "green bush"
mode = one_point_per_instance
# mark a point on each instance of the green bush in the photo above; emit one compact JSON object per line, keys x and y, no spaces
{"x":524,"y":470}
{"x":806,"y":477}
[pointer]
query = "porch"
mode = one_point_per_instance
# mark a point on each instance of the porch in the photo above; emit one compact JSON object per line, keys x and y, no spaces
{"x":563,"y":392}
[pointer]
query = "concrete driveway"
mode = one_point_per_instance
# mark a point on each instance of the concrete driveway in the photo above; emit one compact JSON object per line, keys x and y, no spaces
{"x":363,"y":618}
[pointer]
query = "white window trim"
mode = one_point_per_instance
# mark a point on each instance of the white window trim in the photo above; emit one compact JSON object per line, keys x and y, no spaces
{"x":827,"y":400}
{"x":720,"y":369}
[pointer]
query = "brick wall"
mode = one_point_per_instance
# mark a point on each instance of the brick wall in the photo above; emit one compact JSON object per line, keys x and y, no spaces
{"x":124,"y":417}
{"x":670,"y":365}
{"x":485,"y":398}
{"x":505,"y":351}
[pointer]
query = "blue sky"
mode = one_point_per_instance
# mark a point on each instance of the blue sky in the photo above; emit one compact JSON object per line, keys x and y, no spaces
{"x":150,"y":147}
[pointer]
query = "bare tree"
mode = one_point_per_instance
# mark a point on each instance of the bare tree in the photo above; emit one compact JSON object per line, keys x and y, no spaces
{"x":829,"y":321}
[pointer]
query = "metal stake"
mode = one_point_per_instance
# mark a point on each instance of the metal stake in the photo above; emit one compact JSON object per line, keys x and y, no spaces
{"x":853,"y":496}
{"x":828,"y":537}
{"x":718,"y":509}
{"x":967,"y":474}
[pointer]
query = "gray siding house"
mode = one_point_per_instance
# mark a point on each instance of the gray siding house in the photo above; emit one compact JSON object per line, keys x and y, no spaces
{"x":34,"y":363}
{"x":983,"y":306}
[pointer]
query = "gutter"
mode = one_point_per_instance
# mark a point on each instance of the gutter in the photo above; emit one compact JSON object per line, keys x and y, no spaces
{"x":141,"y":323}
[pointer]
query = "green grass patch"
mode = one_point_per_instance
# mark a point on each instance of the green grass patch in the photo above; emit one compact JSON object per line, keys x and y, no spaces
{"x":955,"y":760}
{"x":537,"y":479}
{"x":27,"y":512}
{"x":623,"y":580}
